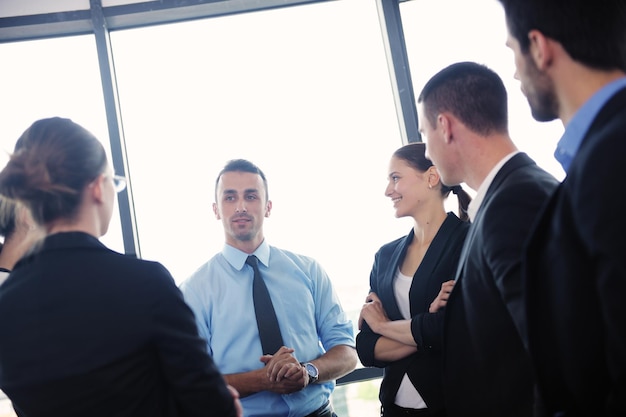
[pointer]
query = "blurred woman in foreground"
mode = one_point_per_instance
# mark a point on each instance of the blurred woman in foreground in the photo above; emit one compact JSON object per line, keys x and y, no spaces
{"x":87,"y":331}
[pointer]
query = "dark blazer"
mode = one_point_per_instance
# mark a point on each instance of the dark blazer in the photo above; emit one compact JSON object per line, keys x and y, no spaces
{"x":439,"y":265}
{"x":487,"y":371}
{"x":90,"y":332}
{"x":575,"y":267}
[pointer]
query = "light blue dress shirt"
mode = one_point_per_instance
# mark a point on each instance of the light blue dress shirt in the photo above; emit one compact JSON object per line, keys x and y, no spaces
{"x":309,"y":313}
{"x":577,"y":128}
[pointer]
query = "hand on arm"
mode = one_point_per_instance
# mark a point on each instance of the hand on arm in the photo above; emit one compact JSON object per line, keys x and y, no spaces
{"x":371,"y":297}
{"x":442,"y":298}
{"x":396,"y":341}
{"x":374,"y":314}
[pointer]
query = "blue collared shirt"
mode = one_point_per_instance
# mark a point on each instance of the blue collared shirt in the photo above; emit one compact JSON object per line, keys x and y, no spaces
{"x":308,"y":311}
{"x":577,"y":128}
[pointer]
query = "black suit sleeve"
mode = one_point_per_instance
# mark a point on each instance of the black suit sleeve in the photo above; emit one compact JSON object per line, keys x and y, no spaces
{"x":427,"y":330}
{"x":366,"y":339}
{"x":504,"y":239}
{"x":602,"y":228}
{"x":197,"y":386}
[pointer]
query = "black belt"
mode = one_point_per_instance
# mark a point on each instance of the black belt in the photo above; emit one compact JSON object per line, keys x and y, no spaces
{"x":324,"y":411}
{"x":397,"y":411}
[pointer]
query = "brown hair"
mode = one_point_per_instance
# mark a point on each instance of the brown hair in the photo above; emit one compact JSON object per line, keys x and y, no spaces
{"x":415,"y":155}
{"x":8,"y":216}
{"x":53,"y":161}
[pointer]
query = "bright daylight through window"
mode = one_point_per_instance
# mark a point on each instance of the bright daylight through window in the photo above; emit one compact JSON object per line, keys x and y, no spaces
{"x":290,"y":89}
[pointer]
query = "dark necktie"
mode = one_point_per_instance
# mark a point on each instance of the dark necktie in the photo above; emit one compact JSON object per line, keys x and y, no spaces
{"x":269,"y":332}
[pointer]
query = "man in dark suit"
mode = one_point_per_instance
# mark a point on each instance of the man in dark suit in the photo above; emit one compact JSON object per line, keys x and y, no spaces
{"x":571,"y":60}
{"x":463,"y":113}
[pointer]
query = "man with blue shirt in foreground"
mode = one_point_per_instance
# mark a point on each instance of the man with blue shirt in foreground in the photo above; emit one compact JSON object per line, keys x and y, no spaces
{"x":318,"y":343}
{"x":571,"y":61}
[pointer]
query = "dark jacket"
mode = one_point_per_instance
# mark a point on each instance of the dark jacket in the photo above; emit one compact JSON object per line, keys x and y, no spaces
{"x":90,"y":332}
{"x":487,"y":371}
{"x":576,"y":274}
{"x":438,"y":266}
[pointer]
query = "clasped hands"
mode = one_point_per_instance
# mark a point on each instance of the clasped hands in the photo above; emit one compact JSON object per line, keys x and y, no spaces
{"x":284,"y":373}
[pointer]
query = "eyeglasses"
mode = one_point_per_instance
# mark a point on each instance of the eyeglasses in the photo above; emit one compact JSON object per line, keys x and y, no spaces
{"x":119,"y":183}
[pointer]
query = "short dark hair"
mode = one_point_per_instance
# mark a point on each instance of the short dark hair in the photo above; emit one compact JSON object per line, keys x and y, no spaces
{"x":242,"y":165}
{"x":472,"y":92}
{"x":53,"y":161}
{"x":592,"y":32}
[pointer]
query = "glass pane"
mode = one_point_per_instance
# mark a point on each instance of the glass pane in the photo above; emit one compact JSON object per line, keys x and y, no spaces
{"x":359,"y":399}
{"x":290,"y":89}
{"x":53,"y":77}
{"x":434,"y":43}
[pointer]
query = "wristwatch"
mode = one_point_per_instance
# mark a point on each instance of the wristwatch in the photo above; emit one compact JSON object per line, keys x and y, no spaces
{"x":312,"y":371}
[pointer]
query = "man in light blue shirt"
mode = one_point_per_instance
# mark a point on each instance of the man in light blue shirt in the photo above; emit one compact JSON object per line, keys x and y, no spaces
{"x":318,"y":338}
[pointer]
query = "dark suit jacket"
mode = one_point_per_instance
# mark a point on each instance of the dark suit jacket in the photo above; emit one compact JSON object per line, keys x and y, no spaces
{"x":86,"y":331}
{"x":576,"y":273}
{"x":438,"y":266}
{"x":487,"y":371}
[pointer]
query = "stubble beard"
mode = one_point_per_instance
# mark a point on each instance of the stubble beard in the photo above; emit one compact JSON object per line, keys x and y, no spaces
{"x":541,"y":96}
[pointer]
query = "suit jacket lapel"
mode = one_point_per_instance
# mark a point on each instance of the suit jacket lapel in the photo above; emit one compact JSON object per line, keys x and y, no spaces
{"x":388,"y":298}
{"x":517,"y":161}
{"x":424,"y":273}
{"x":464,"y":252}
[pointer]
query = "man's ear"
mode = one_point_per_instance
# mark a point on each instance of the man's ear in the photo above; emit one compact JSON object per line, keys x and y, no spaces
{"x":445,"y":122}
{"x":268,"y":208}
{"x":216,"y":212}
{"x":540,"y":49}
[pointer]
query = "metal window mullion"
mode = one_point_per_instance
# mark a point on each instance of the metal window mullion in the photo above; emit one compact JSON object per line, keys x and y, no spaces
{"x":116,"y":132}
{"x":399,"y":72}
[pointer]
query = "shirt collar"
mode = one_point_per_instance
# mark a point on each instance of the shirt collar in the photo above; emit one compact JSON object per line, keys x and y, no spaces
{"x":579,"y":125}
{"x":237,"y":258}
{"x":474,"y":205}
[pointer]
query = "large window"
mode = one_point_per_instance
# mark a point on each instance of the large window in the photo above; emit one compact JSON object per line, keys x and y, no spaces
{"x":289,"y":89}
{"x":48,"y":78}
{"x":304,"y":92}
{"x":441,"y":32}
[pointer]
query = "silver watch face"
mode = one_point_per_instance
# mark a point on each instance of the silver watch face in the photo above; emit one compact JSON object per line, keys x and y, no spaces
{"x":311,"y":370}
